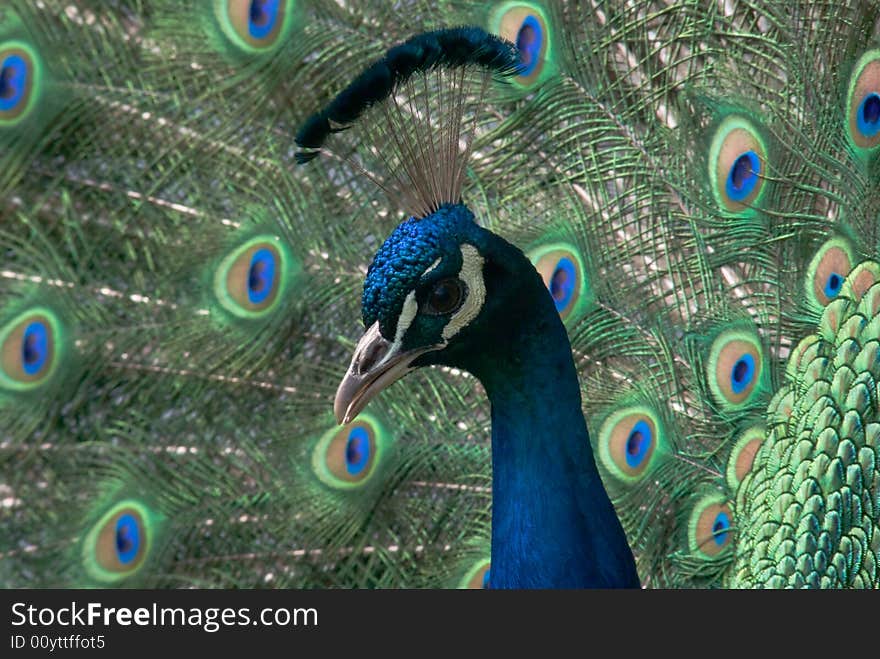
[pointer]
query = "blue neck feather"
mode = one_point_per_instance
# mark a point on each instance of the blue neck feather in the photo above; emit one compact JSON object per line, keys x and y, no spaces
{"x":553,"y":525}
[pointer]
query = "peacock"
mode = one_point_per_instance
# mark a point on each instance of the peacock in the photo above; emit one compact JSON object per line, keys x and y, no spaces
{"x":624,"y":252}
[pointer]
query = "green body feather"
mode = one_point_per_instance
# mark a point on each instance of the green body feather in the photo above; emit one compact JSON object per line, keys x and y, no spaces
{"x":154,"y":161}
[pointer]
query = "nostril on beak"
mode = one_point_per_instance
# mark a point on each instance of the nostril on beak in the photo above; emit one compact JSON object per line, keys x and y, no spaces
{"x":372,"y":354}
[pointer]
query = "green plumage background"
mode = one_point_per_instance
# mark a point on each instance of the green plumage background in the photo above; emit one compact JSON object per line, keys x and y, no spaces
{"x":157,"y":148}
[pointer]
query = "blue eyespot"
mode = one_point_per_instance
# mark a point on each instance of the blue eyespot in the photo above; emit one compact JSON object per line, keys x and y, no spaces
{"x":250,"y":280}
{"x":742,"y":373}
{"x":869,"y":115}
{"x":563,"y":272}
{"x":357,"y":451}
{"x":128,"y":538}
{"x":720,"y":528}
{"x":743,"y":176}
{"x":350,"y":456}
{"x":255,"y":26}
{"x":563,"y":283}
{"x":34,"y":347}
{"x":13,"y":82}
{"x":31,"y":347}
{"x":710,"y":526}
{"x":833,"y":285}
{"x":629,"y":442}
{"x":526,"y":25}
{"x":118,"y":545}
{"x":261,"y":276}
{"x":486,"y":578}
{"x":262,"y":18}
{"x":529,"y":41}
{"x":638,"y":443}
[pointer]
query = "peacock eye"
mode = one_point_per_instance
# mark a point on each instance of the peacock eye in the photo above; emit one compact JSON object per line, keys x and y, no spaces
{"x":118,"y":545}
{"x":734,"y":367}
{"x":527,"y":26}
{"x":629,"y":442}
{"x":827,"y":272}
{"x":349,"y":457}
{"x":29,"y":350}
{"x":19,"y":82}
{"x":711,"y":526}
{"x":446,"y":296}
{"x":863,"y":102}
{"x":255,"y":25}
{"x":250,"y":280}
{"x":737,"y":165}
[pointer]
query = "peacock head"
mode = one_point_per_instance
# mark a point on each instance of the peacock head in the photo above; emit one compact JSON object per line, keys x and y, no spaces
{"x":431,"y":297}
{"x":429,"y":293}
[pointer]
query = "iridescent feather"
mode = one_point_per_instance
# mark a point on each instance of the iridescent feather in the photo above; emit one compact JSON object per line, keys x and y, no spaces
{"x":696,"y":184}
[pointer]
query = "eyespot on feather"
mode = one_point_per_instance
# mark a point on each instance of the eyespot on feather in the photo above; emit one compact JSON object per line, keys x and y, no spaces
{"x":255,"y":25}
{"x":477,"y":577}
{"x":118,"y":545}
{"x":628,"y":442}
{"x":251,"y":279}
{"x":29,"y":349}
{"x":863,"y":102}
{"x":562,"y":270}
{"x":737,"y":164}
{"x":710,"y":527}
{"x":347,"y":457}
{"x":827,"y":272}
{"x":19,"y":82}
{"x":525,"y":25}
{"x":742,"y":456}
{"x":735,"y":367}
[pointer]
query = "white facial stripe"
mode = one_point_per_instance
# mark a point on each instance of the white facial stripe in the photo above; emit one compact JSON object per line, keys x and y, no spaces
{"x":433,"y":265}
{"x":472,"y":275}
{"x":407,"y":314}
{"x":409,"y":311}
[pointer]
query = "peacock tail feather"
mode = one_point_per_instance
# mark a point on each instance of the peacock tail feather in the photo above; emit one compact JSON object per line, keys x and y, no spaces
{"x":695,"y":183}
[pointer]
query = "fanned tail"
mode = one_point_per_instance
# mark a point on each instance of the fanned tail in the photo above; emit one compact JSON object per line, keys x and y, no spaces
{"x":696,"y":184}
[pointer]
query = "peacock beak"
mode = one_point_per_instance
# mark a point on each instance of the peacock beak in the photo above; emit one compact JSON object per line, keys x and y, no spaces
{"x":376,"y":364}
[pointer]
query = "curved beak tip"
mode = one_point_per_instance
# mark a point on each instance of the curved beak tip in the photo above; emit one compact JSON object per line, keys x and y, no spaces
{"x":341,"y":407}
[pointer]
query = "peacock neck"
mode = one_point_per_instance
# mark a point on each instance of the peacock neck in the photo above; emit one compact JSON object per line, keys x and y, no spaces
{"x":553,"y":525}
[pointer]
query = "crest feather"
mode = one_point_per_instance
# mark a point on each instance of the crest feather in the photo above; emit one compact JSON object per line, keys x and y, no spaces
{"x":415,"y":111}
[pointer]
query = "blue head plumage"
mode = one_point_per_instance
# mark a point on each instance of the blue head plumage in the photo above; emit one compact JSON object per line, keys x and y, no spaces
{"x":405,"y":260}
